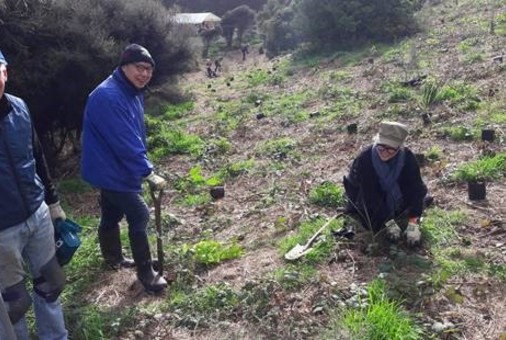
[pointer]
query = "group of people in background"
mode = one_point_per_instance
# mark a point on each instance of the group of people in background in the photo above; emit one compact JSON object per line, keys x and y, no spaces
{"x":384,"y":188}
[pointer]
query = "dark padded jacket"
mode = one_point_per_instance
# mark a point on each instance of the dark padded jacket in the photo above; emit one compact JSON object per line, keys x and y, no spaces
{"x":368,"y":199}
{"x":24,"y":178}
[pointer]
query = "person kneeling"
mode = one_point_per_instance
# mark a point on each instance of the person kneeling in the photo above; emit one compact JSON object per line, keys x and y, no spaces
{"x":384,"y":187}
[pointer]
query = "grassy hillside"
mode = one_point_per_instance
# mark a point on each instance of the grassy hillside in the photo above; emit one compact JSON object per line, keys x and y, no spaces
{"x":274,"y":134}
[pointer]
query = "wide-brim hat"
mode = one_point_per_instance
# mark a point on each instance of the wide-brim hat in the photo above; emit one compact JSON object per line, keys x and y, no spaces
{"x":392,"y":134}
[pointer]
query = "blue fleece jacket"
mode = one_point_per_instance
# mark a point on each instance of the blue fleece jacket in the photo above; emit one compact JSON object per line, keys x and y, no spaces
{"x":114,"y":153}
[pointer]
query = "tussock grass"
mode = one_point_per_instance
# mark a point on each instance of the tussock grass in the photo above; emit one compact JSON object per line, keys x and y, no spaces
{"x":485,"y":169}
{"x":377,"y":318}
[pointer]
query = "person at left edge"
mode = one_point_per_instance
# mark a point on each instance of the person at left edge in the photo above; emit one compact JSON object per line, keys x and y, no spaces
{"x":29,"y":206}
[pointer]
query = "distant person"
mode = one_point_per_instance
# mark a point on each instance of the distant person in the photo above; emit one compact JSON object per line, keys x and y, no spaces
{"x":217,"y":65}
{"x":115,"y":160}
{"x":384,"y":186}
{"x":244,"y":51}
{"x":209,"y":69}
{"x":29,"y":206}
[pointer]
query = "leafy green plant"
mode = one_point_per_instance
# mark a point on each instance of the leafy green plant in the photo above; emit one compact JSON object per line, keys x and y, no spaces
{"x":498,"y":117}
{"x":195,"y":179}
{"x":279,"y":148}
{"x":257,"y":77}
{"x":434,"y":153}
{"x":166,"y":140}
{"x":92,"y":322}
{"x":438,"y":226}
{"x":327,"y":194}
{"x":197,"y":307}
{"x":485,"y":169}
{"x":399,"y":94}
{"x":459,"y":133}
{"x":219,"y":146}
{"x":380,"y":318}
{"x":210,"y":252}
{"x":236,"y":169}
{"x":174,"y":112}
{"x":460,"y":95}
{"x":294,"y":276}
{"x":193,"y":200}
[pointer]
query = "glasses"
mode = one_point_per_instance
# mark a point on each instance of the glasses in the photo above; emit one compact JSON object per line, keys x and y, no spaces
{"x":142,"y":67}
{"x":387,"y":149}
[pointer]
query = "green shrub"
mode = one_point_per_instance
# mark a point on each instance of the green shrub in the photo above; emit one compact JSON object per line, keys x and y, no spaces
{"x":174,"y":112}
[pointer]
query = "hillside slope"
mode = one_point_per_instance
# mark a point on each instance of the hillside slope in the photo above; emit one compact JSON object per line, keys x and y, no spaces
{"x":279,"y":129}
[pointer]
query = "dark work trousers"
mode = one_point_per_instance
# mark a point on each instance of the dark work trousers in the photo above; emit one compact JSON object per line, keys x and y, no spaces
{"x":116,"y":205}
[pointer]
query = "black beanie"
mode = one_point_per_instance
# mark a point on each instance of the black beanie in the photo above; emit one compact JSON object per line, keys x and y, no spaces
{"x":134,"y":53}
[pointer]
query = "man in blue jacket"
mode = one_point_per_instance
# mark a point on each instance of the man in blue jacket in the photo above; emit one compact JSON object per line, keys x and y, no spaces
{"x":29,"y":206}
{"x":114,"y":159}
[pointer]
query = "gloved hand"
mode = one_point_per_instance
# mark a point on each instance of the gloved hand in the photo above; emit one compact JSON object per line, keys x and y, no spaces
{"x":393,"y":231}
{"x":413,"y":233}
{"x":156,"y":182}
{"x":56,"y":212}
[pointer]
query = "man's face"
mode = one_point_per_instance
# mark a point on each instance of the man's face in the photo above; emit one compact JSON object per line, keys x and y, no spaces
{"x":3,"y":79}
{"x":139,"y":73}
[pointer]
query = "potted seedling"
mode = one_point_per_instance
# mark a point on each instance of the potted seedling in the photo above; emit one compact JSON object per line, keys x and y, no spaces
{"x":479,"y":172}
{"x":476,"y":181}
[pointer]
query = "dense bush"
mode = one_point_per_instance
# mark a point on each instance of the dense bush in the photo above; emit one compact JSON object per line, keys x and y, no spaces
{"x":343,"y":23}
{"x":333,"y":23}
{"x":276,"y":22}
{"x":240,"y":18}
{"x":60,"y":50}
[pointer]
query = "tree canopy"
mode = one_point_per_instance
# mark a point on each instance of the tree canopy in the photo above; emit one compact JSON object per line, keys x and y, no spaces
{"x":334,"y":23}
{"x":240,"y":18}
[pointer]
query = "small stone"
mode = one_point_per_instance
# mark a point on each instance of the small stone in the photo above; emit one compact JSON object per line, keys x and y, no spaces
{"x":438,"y":327}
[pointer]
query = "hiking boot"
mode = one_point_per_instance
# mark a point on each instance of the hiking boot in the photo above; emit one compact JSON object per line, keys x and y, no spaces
{"x":150,"y":279}
{"x":110,"y":246}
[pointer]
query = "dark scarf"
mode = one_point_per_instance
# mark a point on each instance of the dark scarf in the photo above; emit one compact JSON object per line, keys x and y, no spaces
{"x":388,"y":173}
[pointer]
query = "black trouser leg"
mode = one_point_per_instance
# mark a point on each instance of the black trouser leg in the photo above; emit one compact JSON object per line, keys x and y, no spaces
{"x":110,"y":246}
